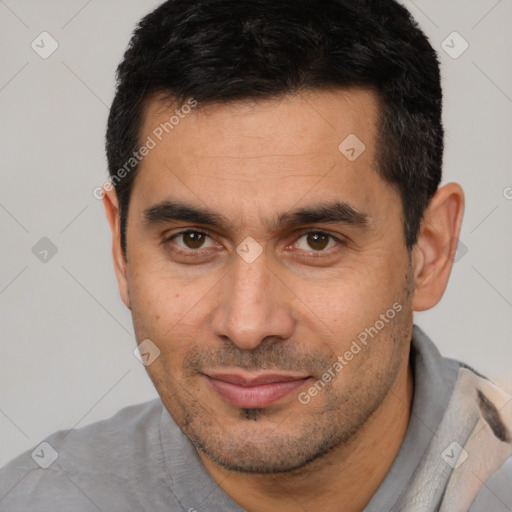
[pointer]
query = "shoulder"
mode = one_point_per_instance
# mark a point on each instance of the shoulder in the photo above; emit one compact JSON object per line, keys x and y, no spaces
{"x":486,"y":471}
{"x":82,"y":466}
{"x":496,"y":494}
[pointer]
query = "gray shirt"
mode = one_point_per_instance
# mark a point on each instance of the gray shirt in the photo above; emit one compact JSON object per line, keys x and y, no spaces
{"x":139,"y":460}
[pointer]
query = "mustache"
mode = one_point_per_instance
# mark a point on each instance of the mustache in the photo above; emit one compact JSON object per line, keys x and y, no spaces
{"x":263,"y":357}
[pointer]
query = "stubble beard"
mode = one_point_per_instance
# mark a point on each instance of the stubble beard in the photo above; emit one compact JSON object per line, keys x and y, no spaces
{"x":259,"y":444}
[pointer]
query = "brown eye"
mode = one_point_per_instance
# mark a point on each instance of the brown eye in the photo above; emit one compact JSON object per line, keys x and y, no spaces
{"x":316,"y":241}
{"x":190,"y":239}
{"x":193,"y":240}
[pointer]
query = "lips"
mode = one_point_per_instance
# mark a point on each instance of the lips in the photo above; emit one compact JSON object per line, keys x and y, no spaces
{"x":250,"y":391}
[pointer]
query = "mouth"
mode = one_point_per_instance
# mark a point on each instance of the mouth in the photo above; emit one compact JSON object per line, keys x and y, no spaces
{"x":247,"y":390}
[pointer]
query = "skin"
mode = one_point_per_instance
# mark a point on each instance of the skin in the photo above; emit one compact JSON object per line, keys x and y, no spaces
{"x":296,"y":307}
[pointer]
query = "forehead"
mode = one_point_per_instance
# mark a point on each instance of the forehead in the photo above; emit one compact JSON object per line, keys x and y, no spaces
{"x":310,"y":121}
{"x":264,"y":154}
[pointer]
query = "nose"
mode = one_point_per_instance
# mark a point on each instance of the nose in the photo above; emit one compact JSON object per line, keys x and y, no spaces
{"x":254,"y":304}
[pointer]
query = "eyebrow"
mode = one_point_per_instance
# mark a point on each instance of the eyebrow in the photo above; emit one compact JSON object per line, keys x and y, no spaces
{"x":332,"y":212}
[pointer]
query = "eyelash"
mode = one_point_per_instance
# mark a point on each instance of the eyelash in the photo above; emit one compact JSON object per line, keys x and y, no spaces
{"x":199,"y":252}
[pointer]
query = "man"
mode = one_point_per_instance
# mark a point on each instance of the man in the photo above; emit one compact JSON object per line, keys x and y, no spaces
{"x":276,"y":218}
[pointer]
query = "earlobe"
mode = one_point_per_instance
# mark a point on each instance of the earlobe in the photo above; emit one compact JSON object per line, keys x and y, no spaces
{"x":112,"y":212}
{"x":434,"y":252}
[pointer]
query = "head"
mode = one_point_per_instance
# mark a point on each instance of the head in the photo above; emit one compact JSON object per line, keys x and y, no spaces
{"x":276,"y":207}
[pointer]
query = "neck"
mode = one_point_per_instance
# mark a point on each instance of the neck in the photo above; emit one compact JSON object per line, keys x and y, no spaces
{"x":344,"y":479}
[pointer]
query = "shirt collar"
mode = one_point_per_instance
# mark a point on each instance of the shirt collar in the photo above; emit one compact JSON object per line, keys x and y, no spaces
{"x":434,"y":381}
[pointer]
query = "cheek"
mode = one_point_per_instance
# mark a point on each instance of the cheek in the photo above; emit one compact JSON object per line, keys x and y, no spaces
{"x":350,"y":301}
{"x":167,"y":310}
{"x":155,"y":302}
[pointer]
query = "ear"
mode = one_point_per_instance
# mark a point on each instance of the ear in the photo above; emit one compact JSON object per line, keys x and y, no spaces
{"x":111,"y":205}
{"x":434,"y":252}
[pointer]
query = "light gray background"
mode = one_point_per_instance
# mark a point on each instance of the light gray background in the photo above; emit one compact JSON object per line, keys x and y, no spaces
{"x":66,"y":338}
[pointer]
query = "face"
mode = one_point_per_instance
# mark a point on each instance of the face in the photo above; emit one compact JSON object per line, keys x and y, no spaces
{"x":269,"y":268}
